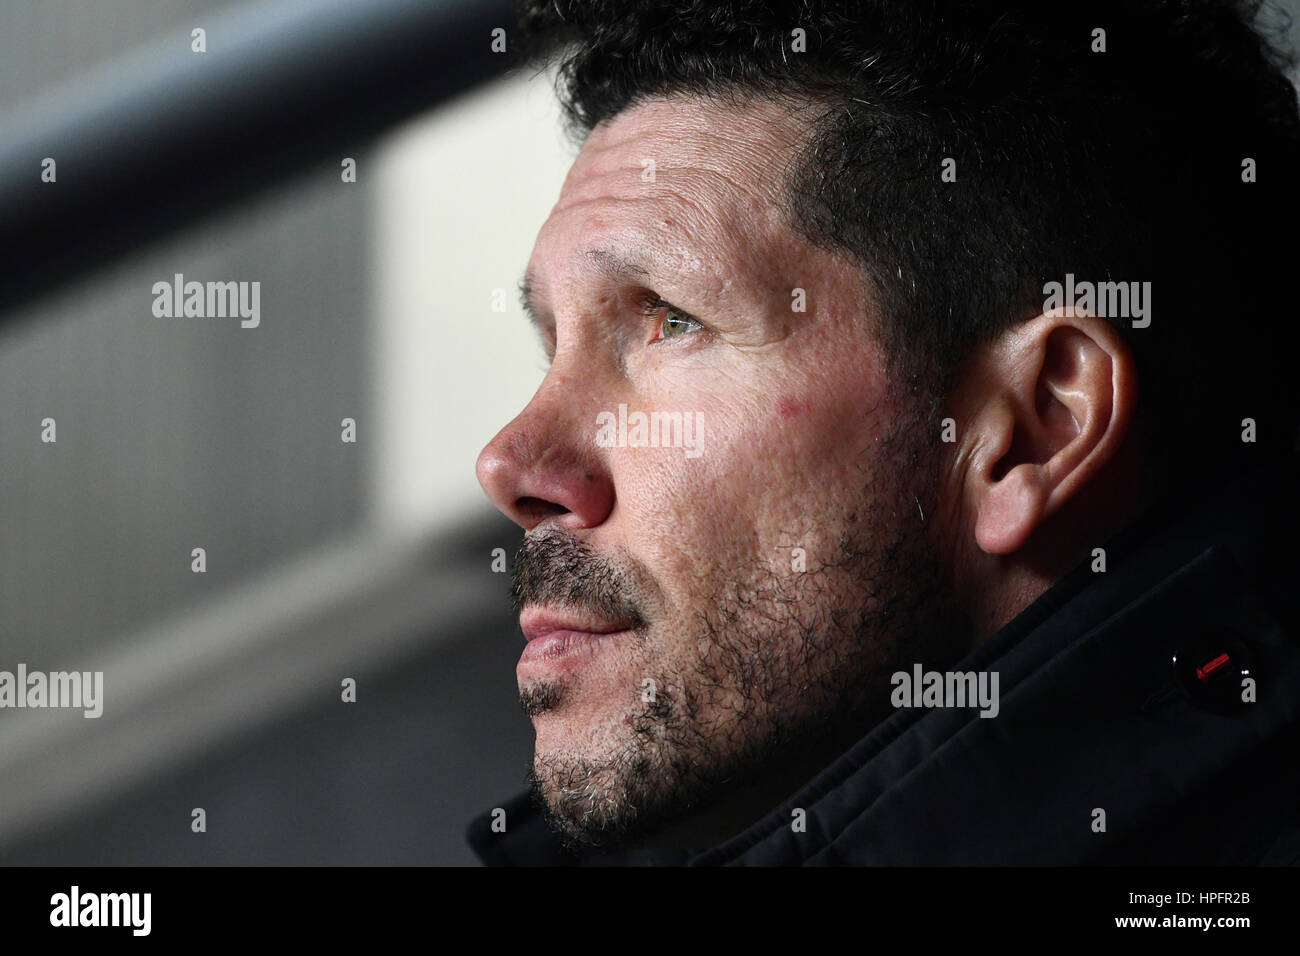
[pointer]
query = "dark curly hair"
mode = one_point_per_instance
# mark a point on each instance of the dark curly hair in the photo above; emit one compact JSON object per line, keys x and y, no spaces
{"x":1122,"y":165}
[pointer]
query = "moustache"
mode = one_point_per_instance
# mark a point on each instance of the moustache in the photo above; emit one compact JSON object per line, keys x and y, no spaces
{"x":558,"y":569}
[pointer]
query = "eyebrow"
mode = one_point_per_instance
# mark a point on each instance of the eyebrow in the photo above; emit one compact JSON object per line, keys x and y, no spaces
{"x":526,"y":287}
{"x":605,"y":261}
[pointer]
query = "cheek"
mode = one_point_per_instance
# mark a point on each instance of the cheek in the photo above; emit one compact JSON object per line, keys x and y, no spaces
{"x":790,"y":408}
{"x":791,"y":441}
{"x":772,"y":474}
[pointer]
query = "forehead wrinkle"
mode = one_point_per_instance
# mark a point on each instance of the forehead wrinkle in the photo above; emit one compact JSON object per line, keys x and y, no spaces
{"x":752,"y":158}
{"x":724,"y":210}
{"x":684,"y":248}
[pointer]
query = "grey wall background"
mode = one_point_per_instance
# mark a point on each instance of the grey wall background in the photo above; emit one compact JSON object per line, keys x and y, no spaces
{"x":179,"y":435}
{"x":324,"y":559}
{"x":390,"y":780}
{"x":176,"y":435}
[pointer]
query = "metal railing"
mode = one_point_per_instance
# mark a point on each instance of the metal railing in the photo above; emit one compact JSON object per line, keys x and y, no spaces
{"x":155,"y":140}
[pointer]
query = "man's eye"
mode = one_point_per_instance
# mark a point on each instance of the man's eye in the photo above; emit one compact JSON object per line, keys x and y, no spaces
{"x":675,"y":322}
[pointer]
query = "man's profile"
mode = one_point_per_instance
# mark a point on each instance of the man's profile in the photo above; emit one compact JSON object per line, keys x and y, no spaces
{"x":908,"y":477}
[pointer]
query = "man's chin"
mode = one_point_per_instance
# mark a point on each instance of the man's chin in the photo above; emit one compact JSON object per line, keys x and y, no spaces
{"x":564,"y":740}
{"x":583,"y":803}
{"x":594,"y":781}
{"x":576,"y":743}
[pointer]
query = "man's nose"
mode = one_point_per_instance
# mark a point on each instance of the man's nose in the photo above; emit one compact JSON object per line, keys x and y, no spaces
{"x":546,"y":464}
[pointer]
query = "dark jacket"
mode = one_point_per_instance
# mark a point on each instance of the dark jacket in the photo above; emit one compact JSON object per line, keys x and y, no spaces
{"x":1094,"y":715}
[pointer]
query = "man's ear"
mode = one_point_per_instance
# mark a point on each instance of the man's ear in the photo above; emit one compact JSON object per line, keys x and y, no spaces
{"x":1048,"y":404}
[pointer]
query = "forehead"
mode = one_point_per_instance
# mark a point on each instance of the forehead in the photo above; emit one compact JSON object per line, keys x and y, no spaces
{"x":689,"y":183}
{"x":740,"y":148}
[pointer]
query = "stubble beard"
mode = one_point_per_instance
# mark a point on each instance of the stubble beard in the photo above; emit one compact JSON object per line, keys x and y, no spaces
{"x":775,"y":663}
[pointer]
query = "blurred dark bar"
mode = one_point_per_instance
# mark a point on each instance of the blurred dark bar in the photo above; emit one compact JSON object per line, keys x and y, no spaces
{"x":156,"y":140}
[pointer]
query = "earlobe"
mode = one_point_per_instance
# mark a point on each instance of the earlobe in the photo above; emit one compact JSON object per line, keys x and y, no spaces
{"x":1012,"y":507}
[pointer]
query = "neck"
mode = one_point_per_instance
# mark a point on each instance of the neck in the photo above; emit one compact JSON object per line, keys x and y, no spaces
{"x":746,"y":801}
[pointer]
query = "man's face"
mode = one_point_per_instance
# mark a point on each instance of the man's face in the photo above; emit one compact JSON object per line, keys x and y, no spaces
{"x":764,"y":572}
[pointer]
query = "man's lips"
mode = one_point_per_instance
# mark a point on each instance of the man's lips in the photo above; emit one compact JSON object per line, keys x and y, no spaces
{"x":555,"y":634}
{"x":537,"y":623}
